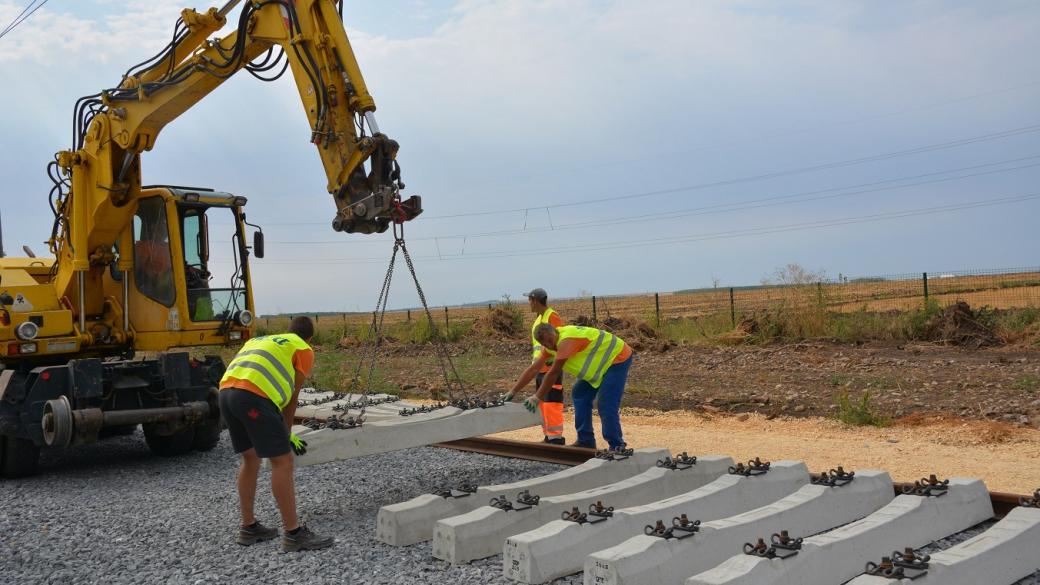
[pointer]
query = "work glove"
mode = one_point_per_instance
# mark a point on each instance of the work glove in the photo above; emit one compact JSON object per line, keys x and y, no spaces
{"x":508,"y":397}
{"x":299,"y":446}
{"x":531,"y":404}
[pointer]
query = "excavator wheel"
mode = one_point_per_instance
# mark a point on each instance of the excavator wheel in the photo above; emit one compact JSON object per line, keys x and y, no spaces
{"x":178,"y":443}
{"x":207,"y":436}
{"x":18,"y":457}
{"x":120,"y":431}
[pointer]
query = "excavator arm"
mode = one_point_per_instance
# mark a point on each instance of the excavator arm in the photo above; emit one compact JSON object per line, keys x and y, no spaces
{"x":98,"y":180}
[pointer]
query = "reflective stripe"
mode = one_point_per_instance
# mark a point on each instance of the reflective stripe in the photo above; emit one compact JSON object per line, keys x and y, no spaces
{"x":606,"y":357}
{"x":536,"y":348}
{"x":267,"y":374}
{"x":274,"y":362}
{"x":592,"y":354}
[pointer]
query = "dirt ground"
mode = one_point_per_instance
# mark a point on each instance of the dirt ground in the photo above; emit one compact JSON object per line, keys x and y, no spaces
{"x":947,"y":410}
{"x":795,"y":380}
{"x":1005,"y":457}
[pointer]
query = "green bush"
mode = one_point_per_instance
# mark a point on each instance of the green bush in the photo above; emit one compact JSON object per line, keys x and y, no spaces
{"x":1028,"y":382}
{"x":919,"y":321}
{"x":1018,"y":320}
{"x":858,"y":412}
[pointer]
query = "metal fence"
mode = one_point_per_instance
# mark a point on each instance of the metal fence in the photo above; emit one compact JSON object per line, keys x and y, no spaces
{"x":1014,"y":288}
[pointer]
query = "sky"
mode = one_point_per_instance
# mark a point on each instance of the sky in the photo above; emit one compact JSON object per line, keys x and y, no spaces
{"x":592,"y":147}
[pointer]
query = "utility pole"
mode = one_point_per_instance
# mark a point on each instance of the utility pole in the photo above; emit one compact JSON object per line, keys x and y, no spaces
{"x":2,"y":254}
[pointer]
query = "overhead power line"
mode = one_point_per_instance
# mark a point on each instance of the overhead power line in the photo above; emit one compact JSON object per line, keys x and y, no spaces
{"x":738,"y":180}
{"x":20,"y":18}
{"x":604,"y":246}
{"x":772,"y":201}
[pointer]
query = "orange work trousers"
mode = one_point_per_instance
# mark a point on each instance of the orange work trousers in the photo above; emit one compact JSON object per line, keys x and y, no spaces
{"x":552,"y":408}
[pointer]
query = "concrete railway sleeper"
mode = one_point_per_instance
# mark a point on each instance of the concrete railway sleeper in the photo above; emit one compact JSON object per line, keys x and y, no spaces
{"x":817,"y":529}
{"x":413,"y":521}
{"x":560,"y":547}
{"x":481,"y":532}
{"x":664,"y":558}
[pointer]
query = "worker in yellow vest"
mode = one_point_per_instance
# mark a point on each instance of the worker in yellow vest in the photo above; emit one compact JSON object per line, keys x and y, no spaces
{"x":552,"y":405}
{"x":599,"y":361}
{"x":258,"y":398}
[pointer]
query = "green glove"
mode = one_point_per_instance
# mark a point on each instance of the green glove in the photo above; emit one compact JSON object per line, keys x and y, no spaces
{"x":508,"y":397}
{"x":531,"y":404}
{"x":299,"y":446}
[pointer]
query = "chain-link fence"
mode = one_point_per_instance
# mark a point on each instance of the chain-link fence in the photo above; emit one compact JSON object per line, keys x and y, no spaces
{"x":999,"y":289}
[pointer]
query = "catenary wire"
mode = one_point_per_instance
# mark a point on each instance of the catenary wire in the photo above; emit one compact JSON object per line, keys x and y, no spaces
{"x":787,"y":199}
{"x":20,"y":19}
{"x":745,"y":179}
{"x":602,"y":246}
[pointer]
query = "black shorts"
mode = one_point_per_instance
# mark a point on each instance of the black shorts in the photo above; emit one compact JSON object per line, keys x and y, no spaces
{"x":254,"y":423}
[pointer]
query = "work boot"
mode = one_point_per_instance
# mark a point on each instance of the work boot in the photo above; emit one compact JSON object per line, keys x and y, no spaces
{"x":255,"y":533}
{"x":583,"y":445}
{"x":555,"y":440}
{"x":304,"y":539}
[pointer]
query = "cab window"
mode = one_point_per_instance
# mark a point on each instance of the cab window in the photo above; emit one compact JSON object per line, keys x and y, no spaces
{"x":152,"y":261}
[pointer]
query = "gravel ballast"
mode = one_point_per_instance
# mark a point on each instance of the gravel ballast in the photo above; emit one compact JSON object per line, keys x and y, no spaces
{"x":113,"y":513}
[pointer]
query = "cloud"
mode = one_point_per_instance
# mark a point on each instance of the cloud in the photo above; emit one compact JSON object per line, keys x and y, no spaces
{"x":507,"y":104}
{"x":55,"y":36}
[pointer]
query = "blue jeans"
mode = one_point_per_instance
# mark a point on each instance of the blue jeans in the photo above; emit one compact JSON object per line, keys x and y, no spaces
{"x":611,"y":389}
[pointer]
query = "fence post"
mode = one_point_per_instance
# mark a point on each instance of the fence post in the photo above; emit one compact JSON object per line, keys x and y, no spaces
{"x":409,"y":314}
{"x":446,"y":324}
{"x":593,"y":308}
{"x":732,"y":309}
{"x":315,"y":319}
{"x":924,"y":281}
{"x":344,"y":315}
{"x":819,"y":293}
{"x":657,"y":307}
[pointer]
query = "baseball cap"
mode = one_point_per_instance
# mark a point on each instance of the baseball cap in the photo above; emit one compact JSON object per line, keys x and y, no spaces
{"x":538,"y":294}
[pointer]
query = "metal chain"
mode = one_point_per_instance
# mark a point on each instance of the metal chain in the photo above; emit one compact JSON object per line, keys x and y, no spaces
{"x":375,"y":329}
{"x":443,"y":357}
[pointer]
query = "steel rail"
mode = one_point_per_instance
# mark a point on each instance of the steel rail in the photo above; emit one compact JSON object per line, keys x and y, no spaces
{"x":565,"y":455}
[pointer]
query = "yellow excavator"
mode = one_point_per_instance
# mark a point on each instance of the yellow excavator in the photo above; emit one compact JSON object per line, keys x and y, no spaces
{"x":132,"y":268}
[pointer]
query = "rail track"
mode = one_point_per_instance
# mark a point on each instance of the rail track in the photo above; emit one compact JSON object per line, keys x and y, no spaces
{"x":566,"y":455}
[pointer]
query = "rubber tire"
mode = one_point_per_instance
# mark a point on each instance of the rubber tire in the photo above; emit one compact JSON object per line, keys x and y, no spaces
{"x":20,"y":457}
{"x":123,"y":431}
{"x":169,"y":445}
{"x":207,"y":436}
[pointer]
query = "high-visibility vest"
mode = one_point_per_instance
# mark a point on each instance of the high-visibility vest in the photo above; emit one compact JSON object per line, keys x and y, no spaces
{"x":536,"y":347}
{"x":266,"y":362}
{"x":592,"y":362}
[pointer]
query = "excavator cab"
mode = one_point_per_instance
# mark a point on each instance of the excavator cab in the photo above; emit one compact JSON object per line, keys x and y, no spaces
{"x":190,"y":282}
{"x":188,"y":285}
